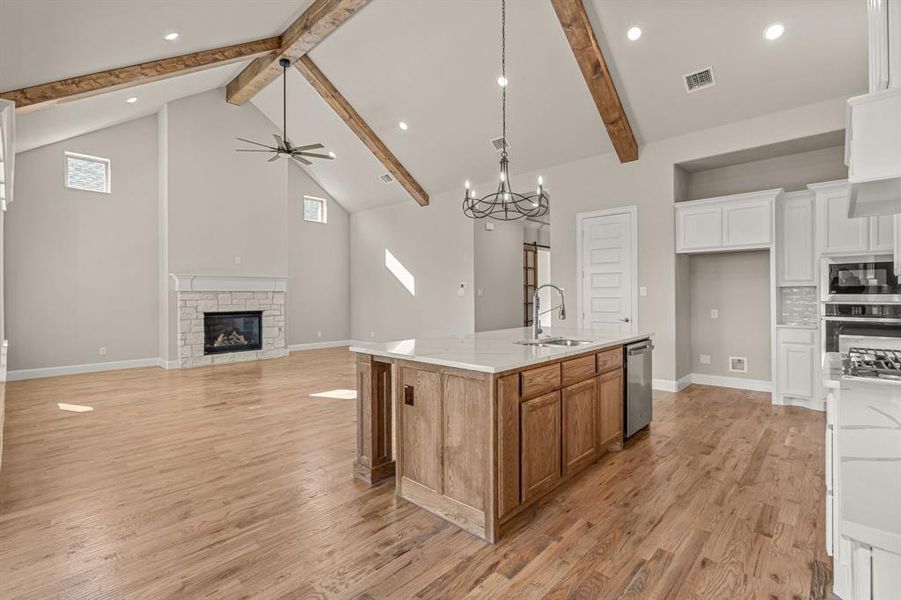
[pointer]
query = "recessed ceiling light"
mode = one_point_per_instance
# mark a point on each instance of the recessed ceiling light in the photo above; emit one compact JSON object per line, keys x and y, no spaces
{"x":171,"y":37}
{"x":774,"y":31}
{"x":634,"y":33}
{"x":132,"y":99}
{"x":403,"y":125}
{"x":502,"y":81}
{"x":332,"y":154}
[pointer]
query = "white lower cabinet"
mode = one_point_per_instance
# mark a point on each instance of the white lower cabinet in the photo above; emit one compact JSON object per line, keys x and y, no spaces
{"x":875,"y":574}
{"x":798,"y":373}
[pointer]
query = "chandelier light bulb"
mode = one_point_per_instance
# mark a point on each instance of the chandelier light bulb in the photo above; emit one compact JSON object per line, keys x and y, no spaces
{"x":467,"y":184}
{"x":502,"y":81}
{"x":540,"y":180}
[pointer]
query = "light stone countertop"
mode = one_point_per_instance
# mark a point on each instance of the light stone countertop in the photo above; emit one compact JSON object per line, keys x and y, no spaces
{"x":496,"y":351}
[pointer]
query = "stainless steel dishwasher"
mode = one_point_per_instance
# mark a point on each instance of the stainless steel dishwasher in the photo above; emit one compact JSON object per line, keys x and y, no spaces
{"x":639,"y":407}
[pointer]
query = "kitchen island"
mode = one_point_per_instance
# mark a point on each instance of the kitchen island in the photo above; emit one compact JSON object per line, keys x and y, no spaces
{"x":476,"y":428}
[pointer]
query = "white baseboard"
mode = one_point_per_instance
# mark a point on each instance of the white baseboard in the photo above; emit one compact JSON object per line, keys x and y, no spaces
{"x":75,"y":369}
{"x":166,"y":364}
{"x":317,"y":345}
{"x":756,"y":385}
{"x":670,"y":385}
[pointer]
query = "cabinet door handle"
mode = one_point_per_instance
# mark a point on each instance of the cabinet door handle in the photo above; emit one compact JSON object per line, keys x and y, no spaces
{"x":408,"y":395}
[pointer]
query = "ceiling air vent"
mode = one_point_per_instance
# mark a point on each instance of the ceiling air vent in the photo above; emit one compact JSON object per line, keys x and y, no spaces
{"x":699,"y":80}
{"x":386,"y":178}
{"x":499,"y":144}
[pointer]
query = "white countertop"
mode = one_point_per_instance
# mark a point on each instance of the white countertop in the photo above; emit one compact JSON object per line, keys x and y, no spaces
{"x":496,"y":351}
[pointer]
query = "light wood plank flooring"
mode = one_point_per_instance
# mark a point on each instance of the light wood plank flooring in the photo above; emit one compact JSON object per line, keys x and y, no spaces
{"x":231,"y":482}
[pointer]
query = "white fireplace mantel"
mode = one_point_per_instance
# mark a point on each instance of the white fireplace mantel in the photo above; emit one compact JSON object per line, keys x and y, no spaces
{"x":193,"y":282}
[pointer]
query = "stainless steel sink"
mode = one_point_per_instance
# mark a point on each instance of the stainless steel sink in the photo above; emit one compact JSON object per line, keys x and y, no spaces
{"x":556,"y":341}
{"x":565,"y":342}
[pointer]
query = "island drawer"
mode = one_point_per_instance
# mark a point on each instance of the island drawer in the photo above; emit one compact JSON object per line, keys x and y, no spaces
{"x":609,"y":360}
{"x":578,"y":369}
{"x":542,"y":380}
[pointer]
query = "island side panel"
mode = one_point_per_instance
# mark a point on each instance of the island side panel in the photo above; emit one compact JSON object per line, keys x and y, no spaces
{"x":508,"y":404}
{"x":444,"y":420}
{"x":375,"y":461}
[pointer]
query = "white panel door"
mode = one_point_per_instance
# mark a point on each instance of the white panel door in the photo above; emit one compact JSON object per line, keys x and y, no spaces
{"x":699,"y":227}
{"x":839,"y":233}
{"x":747,"y":223}
{"x":607,"y":277}
{"x":882,"y":233}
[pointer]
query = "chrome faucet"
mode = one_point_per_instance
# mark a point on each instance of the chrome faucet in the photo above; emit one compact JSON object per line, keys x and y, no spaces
{"x":537,"y":312}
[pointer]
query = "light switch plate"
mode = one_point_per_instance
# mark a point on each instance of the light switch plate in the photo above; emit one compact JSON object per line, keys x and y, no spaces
{"x":642,"y":291}
{"x":705,"y":359}
{"x":714,"y":313}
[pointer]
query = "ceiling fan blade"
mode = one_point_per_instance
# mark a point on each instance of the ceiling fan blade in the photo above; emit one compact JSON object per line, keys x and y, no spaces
{"x":313,"y":155}
{"x":274,"y":158}
{"x":301,"y":160}
{"x":254,"y":143}
{"x":253,"y":150}
{"x":279,"y":141}
{"x":309,"y":147}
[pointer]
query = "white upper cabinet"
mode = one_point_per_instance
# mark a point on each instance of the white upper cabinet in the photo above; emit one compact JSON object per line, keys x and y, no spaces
{"x":873,"y":144}
{"x":796,"y":263}
{"x":837,"y":233}
{"x":739,"y":222}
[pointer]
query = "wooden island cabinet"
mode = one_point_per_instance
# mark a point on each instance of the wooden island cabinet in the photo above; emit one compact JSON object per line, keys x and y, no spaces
{"x":477,"y":448}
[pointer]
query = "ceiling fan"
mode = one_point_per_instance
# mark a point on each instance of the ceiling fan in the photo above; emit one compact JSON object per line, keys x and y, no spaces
{"x":283,"y":146}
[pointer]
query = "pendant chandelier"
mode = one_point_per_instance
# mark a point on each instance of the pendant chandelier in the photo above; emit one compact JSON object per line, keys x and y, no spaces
{"x":505,"y":204}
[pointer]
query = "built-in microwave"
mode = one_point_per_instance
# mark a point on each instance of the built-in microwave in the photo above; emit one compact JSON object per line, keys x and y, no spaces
{"x":860,"y":279}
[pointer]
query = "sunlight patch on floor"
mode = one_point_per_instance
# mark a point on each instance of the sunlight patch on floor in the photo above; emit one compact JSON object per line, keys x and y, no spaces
{"x":339,"y":394}
{"x":74,"y":407}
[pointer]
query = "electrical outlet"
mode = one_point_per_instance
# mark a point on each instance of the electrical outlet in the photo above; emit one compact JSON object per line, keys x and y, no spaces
{"x":705,"y":359}
{"x":319,"y":334}
{"x":462,"y":289}
{"x":102,"y":350}
{"x":372,"y":334}
{"x":237,"y":260}
{"x":714,"y":313}
{"x":642,"y":291}
{"x":479,"y":292}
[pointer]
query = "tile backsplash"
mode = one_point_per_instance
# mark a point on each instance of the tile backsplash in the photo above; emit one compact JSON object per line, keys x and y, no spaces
{"x":798,"y":305}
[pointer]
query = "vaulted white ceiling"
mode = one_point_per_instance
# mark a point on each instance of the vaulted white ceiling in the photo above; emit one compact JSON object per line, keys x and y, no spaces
{"x":435,"y":64}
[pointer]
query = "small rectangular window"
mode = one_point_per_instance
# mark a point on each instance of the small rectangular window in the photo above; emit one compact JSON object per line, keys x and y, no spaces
{"x":314,"y":209}
{"x":89,"y":173}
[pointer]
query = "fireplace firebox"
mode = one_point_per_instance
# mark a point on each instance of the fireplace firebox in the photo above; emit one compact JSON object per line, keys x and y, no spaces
{"x":236,"y":331}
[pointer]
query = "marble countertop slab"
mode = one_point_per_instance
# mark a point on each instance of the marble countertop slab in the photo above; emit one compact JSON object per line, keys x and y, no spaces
{"x":497,"y":351}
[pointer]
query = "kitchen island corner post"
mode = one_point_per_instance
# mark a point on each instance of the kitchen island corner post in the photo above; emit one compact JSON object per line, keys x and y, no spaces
{"x":375,"y":459}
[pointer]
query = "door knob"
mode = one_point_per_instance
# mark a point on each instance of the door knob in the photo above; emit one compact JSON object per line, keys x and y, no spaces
{"x":627,"y":320}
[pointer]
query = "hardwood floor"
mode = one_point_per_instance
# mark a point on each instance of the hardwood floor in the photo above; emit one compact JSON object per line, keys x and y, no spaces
{"x":231,"y":482}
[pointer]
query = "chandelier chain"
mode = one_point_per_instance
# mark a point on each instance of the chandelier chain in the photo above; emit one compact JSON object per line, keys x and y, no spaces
{"x":504,"y":75}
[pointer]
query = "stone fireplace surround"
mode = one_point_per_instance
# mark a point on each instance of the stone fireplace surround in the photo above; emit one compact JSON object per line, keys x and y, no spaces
{"x":197,"y":294}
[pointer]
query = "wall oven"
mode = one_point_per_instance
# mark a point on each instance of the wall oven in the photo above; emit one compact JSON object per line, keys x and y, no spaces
{"x":860,"y":279}
{"x":859,"y":324}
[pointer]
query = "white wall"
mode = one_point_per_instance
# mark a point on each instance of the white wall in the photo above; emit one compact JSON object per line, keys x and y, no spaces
{"x":737,"y":285}
{"x":498,"y":273}
{"x":792,"y":172}
{"x":435,"y":243}
{"x":318,"y":265}
{"x":81,"y":267}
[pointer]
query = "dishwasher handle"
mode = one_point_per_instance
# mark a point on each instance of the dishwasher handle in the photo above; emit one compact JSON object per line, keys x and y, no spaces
{"x":640,"y":350}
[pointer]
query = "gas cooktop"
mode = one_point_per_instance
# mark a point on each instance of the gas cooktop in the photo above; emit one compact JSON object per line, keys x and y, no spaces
{"x":873,"y":363}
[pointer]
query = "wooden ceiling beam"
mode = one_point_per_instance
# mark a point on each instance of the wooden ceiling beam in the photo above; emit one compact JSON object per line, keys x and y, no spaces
{"x":349,"y":115}
{"x":584,"y":44}
{"x":314,"y":25}
{"x":75,"y":88}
